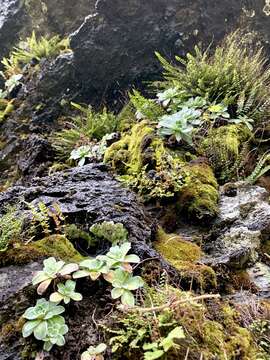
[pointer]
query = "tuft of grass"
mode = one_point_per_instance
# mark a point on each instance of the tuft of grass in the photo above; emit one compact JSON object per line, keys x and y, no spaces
{"x":235,"y":74}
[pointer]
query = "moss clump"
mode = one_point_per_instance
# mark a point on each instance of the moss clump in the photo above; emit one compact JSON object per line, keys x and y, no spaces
{"x":158,"y":173}
{"x":223,"y":147}
{"x":183,"y":255}
{"x":199,"y":196}
{"x":127,"y":154}
{"x":55,"y":245}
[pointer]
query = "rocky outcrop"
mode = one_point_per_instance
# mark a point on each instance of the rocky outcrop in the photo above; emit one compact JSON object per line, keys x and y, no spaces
{"x":87,"y":195}
{"x":18,"y":18}
{"x":242,"y":226}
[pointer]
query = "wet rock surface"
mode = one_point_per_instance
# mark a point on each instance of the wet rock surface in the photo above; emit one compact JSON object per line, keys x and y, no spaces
{"x":87,"y":195}
{"x":243,"y":223}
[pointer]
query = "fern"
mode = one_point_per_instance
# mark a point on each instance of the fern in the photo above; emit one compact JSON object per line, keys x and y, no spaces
{"x":34,"y":48}
{"x":235,"y":75}
{"x":82,"y":129}
{"x":260,"y":169}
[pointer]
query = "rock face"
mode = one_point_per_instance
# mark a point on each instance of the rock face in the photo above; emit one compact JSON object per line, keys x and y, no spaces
{"x":115,"y":47}
{"x":86,"y":195}
{"x":242,"y":225}
{"x":18,"y":18}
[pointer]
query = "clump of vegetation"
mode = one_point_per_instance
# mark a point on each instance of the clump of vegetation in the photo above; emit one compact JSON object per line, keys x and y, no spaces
{"x":94,"y":352}
{"x":43,"y":319}
{"x":116,"y":233}
{"x":235,"y":75}
{"x":33,"y":49}
{"x":45,"y":322}
{"x":11,"y":226}
{"x":261,"y":168}
{"x":89,"y":126}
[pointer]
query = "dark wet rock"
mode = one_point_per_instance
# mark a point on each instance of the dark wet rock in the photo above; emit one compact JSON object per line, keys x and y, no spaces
{"x":86,"y":195}
{"x":243,"y":223}
{"x":14,"y":281}
{"x":19,"y":18}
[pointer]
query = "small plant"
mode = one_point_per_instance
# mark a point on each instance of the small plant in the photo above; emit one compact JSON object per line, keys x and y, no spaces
{"x":216,"y":111}
{"x":13,"y":82}
{"x":167,"y":96}
{"x":38,"y":318}
{"x":43,"y":47}
{"x":145,"y":108}
{"x":6,"y":107}
{"x":10,"y":227}
{"x":180,"y":124}
{"x":110,"y":231}
{"x":260,"y":169}
{"x":55,"y":333}
{"x":158,"y":349}
{"x":243,"y":119}
{"x":92,"y":268}
{"x":117,"y":257}
{"x":94,"y":352}
{"x":123,"y":282}
{"x":233,"y":71}
{"x":66,"y":292}
{"x":51,"y":270}
{"x":42,"y":216}
{"x":81,"y":154}
{"x":83,"y":129}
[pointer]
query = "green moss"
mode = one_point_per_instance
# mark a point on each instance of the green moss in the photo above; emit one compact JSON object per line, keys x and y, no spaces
{"x":58,"y":246}
{"x":157,"y":173}
{"x":129,"y":150}
{"x":174,"y":248}
{"x":183,"y":255}
{"x":55,"y":245}
{"x":223,"y":148}
{"x":199,"y":196}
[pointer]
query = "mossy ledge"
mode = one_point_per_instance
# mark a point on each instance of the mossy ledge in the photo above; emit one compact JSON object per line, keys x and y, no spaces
{"x":55,"y":245}
{"x":184,"y":256}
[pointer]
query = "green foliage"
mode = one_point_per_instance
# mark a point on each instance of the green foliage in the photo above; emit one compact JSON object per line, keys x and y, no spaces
{"x":216,"y":111}
{"x":55,"y":334}
{"x":261,"y":168}
{"x":83,"y":129}
{"x":81,"y":153}
{"x":180,"y":124}
{"x":10,"y":228}
{"x":110,"y":231}
{"x":42,"y":216}
{"x":158,"y":349}
{"x":43,"y":320}
{"x":123,"y":282}
{"x":51,"y":270}
{"x":66,"y":292}
{"x":117,"y":256}
{"x":234,"y":71}
{"x":38,"y":49}
{"x":243,"y":119}
{"x":92,"y":268}
{"x":6,"y":107}
{"x":94,"y":352}
{"x":145,"y":108}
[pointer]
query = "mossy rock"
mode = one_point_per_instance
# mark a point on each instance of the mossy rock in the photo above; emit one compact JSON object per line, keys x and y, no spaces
{"x":223,"y":147}
{"x":183,"y":255}
{"x":158,"y":173}
{"x":55,"y":245}
{"x":199,"y":196}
